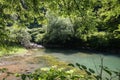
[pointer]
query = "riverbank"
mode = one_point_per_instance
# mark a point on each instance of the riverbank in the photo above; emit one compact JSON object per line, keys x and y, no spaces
{"x":9,"y":50}
{"x":105,"y":51}
{"x":25,"y":63}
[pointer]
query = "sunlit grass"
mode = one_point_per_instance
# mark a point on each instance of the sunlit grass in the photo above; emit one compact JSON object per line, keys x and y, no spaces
{"x":9,"y":50}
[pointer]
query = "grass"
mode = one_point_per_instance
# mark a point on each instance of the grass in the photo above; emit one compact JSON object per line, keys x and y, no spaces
{"x":9,"y":50}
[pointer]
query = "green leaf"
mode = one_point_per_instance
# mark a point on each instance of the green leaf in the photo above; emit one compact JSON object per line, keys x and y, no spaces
{"x":91,"y":70}
{"x":97,"y":77}
{"x":77,"y":64}
{"x":84,"y":67}
{"x":71,"y":65}
{"x":23,"y":77}
{"x":89,"y":73}
{"x":108,"y":71}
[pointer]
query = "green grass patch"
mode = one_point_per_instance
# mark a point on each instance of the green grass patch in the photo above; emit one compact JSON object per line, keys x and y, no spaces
{"x":9,"y":50}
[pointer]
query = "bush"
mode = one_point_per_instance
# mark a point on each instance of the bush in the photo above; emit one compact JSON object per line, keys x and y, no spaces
{"x":37,"y":34}
{"x":19,"y":35}
{"x":98,"y":40}
{"x":59,"y":31}
{"x":66,"y":73}
{"x":53,"y":73}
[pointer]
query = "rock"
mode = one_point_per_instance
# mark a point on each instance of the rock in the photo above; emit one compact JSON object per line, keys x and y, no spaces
{"x":34,"y":45}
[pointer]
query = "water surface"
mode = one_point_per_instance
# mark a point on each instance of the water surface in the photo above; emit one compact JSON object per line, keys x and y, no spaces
{"x":90,"y":59}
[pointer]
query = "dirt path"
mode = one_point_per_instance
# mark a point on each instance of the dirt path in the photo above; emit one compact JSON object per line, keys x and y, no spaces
{"x":23,"y":63}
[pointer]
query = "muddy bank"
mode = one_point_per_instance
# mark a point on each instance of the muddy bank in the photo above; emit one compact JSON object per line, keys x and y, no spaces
{"x":26,"y":63}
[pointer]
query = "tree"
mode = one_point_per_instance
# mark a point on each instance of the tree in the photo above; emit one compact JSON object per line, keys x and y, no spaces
{"x":59,"y":30}
{"x":3,"y":30}
{"x":109,"y":13}
{"x":89,"y":18}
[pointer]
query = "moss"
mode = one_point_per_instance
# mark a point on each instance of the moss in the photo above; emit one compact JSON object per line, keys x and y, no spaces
{"x":47,"y":60}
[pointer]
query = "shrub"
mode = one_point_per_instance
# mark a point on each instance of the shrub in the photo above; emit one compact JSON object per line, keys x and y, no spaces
{"x":19,"y":35}
{"x":59,"y":31}
{"x":66,"y":73}
{"x":53,"y":73}
{"x":37,"y":34}
{"x":98,"y":40}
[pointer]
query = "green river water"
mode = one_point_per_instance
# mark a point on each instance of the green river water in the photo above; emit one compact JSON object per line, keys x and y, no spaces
{"x":90,"y":59}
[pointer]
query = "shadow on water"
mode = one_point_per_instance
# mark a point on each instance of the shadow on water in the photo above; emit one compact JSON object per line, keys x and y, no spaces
{"x":85,"y":57}
{"x":74,"y":51}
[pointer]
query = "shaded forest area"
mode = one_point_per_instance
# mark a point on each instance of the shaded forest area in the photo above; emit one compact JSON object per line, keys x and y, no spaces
{"x":85,"y":24}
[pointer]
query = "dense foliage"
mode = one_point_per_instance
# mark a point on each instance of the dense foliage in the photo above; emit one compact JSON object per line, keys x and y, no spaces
{"x":90,"y":24}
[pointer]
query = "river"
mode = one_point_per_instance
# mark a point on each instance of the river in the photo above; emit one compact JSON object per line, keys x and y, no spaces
{"x":90,"y":59}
